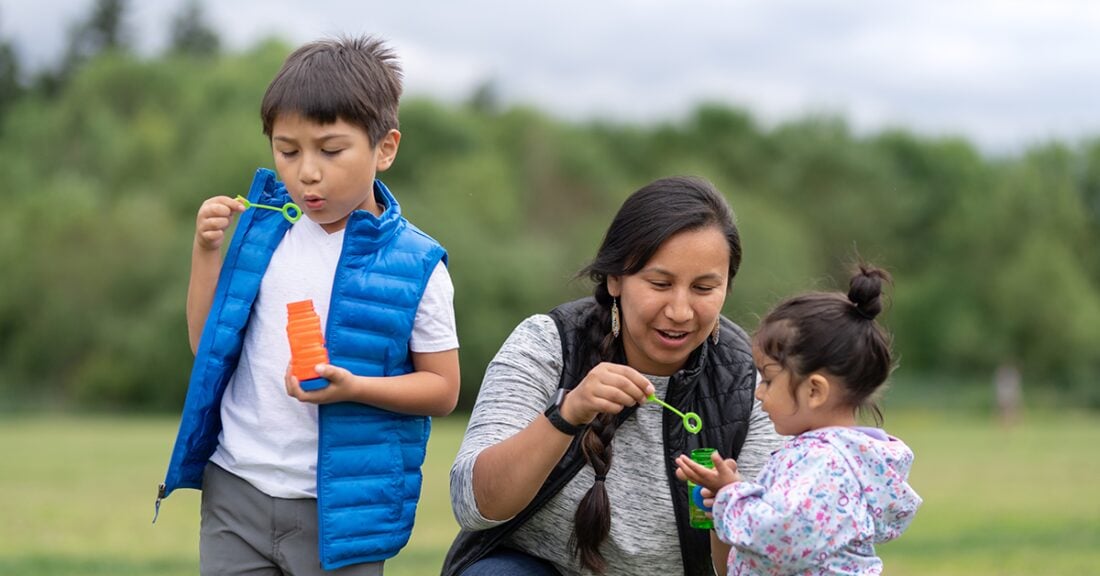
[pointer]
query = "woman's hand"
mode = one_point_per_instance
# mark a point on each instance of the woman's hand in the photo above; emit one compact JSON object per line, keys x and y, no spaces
{"x":711,"y":479}
{"x":213,"y":220}
{"x":607,"y":388}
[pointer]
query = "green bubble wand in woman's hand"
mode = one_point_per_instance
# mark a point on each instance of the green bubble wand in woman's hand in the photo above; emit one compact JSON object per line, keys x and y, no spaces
{"x":692,"y":422}
{"x":290,"y":210}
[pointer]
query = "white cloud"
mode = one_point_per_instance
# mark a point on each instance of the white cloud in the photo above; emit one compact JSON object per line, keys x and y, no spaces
{"x":1004,"y":73}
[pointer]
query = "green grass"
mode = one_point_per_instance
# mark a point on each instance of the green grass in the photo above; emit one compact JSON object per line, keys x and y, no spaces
{"x":1024,"y":500}
{"x":76,"y":496}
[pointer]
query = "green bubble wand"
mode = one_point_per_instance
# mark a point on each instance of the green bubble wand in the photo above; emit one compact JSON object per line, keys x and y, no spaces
{"x":290,"y":210}
{"x":692,"y":422}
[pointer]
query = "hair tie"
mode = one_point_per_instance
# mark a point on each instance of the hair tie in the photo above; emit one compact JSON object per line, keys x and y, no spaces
{"x":601,"y":477}
{"x":865,"y":314}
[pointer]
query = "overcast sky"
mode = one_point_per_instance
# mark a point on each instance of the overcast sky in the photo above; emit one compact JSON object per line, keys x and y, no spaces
{"x":1005,"y":74}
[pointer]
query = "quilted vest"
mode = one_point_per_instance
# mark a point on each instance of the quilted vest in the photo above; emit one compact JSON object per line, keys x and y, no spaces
{"x":717,"y":382}
{"x":368,"y":460}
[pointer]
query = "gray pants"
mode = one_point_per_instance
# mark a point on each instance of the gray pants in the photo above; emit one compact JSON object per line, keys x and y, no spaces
{"x":245,"y":531}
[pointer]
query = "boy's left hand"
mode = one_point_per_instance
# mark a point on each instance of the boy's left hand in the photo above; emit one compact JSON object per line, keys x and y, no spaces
{"x":341,"y":386}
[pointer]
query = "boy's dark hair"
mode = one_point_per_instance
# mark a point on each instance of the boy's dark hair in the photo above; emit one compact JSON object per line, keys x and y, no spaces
{"x":357,"y":80}
{"x":836,"y":334}
{"x":648,"y":217}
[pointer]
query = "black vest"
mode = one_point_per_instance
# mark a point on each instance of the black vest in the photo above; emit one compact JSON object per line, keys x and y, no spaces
{"x":717,"y":382}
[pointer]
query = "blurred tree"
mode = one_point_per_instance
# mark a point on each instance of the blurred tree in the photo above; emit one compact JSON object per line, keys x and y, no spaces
{"x":192,"y":35}
{"x":485,"y":99}
{"x":11,"y":82}
{"x":1045,"y":303}
{"x":11,"y":87}
{"x":836,"y":186}
{"x":730,"y":141}
{"x":1088,"y":170}
{"x":994,"y":259}
{"x":102,"y":31}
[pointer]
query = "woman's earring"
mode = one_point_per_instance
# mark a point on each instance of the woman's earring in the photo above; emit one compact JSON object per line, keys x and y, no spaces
{"x":615,"y":317}
{"x":714,"y":335}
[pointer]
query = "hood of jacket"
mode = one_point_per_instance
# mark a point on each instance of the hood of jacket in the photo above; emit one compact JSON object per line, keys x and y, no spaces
{"x":881,"y":463}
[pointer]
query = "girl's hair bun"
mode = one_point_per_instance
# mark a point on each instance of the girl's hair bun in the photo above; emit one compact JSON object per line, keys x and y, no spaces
{"x":865,"y":290}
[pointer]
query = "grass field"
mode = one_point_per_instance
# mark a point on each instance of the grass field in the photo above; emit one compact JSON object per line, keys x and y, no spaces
{"x":76,"y":497}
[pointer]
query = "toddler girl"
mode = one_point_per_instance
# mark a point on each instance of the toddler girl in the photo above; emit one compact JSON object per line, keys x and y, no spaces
{"x":835,"y":489}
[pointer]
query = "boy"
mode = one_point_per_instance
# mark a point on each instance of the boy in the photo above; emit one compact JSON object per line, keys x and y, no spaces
{"x":294,"y":481}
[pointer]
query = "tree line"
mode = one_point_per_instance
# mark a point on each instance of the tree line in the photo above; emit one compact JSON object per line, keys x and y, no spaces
{"x":108,"y":156}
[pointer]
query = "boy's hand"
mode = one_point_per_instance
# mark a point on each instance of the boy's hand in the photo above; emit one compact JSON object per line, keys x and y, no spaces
{"x":712,"y":479}
{"x":342,"y":386}
{"x":213,"y":220}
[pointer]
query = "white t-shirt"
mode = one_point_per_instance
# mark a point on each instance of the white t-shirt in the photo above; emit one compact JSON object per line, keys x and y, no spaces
{"x":268,"y":438}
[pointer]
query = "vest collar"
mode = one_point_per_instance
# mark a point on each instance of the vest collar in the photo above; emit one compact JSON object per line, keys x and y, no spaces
{"x":695,"y":363}
{"x":366,"y":232}
{"x":684,"y":380}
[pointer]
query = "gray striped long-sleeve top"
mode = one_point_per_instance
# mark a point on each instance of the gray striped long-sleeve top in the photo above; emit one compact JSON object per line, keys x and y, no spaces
{"x":643,"y":541}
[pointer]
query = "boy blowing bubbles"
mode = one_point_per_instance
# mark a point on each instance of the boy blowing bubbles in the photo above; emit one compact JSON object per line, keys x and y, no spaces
{"x":305,"y":482}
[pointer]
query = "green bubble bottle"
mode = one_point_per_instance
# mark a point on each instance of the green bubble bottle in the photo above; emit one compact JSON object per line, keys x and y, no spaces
{"x":697,"y":512}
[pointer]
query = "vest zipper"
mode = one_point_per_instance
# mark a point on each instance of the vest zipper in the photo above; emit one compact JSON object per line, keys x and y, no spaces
{"x":156,"y":505}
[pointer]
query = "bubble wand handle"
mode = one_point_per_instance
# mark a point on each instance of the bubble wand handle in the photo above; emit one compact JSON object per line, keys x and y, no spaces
{"x":692,"y":422}
{"x":290,"y":210}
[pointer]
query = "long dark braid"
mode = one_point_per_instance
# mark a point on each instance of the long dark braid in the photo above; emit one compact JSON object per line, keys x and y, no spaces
{"x":647,"y":218}
{"x":592,"y":520}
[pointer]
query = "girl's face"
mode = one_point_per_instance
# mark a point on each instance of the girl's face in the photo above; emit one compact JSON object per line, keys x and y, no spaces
{"x":774,"y":391}
{"x":670,"y":306}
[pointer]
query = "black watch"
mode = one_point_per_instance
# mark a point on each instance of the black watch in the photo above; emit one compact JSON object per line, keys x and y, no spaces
{"x":553,"y":414}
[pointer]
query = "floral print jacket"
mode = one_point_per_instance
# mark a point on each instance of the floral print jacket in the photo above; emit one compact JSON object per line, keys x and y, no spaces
{"x":820,"y":504}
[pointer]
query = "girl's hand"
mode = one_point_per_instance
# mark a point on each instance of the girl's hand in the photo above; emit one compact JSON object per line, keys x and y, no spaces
{"x":342,"y":386}
{"x":213,"y":220}
{"x":711,"y":479}
{"x":607,"y":388}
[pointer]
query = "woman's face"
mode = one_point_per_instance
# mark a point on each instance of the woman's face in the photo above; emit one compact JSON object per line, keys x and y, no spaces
{"x":670,"y":306}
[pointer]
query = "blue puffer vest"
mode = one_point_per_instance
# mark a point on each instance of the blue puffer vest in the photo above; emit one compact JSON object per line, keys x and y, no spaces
{"x":368,"y":461}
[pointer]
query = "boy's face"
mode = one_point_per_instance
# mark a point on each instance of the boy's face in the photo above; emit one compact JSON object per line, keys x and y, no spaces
{"x":329,"y":169}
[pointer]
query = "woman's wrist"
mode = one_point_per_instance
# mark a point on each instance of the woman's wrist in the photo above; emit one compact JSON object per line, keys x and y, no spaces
{"x":555,"y":416}
{"x":567,"y":411}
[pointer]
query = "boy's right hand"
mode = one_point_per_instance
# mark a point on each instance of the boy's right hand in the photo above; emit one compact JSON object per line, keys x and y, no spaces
{"x":213,"y":220}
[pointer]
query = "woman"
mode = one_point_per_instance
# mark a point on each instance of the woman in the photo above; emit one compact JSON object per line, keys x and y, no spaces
{"x":565,"y":467}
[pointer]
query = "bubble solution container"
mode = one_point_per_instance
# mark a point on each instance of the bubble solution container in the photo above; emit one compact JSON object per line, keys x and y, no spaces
{"x":307,"y":345}
{"x":697,"y":512}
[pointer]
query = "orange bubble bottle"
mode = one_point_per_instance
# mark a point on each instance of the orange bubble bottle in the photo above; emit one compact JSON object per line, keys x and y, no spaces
{"x":307,"y":345}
